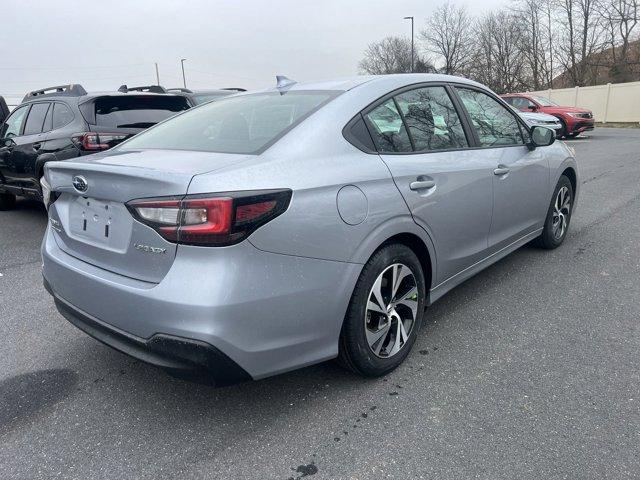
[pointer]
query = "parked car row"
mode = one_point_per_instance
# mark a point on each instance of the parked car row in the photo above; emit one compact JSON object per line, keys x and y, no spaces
{"x":63,"y":122}
{"x":267,"y":231}
{"x":573,"y":120}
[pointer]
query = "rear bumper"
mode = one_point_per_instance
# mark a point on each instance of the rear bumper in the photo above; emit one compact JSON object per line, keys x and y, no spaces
{"x":181,"y":357}
{"x":268,"y":313}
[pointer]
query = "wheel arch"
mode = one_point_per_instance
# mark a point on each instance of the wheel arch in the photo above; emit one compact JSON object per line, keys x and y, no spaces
{"x":405,"y":231}
{"x":418,"y":247}
{"x":570,"y":173}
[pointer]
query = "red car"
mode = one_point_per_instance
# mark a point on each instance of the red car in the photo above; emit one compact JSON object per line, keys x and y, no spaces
{"x":574,"y":120}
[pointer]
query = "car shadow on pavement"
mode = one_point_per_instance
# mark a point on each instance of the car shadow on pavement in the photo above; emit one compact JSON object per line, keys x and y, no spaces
{"x":23,"y":397}
{"x":29,"y":205}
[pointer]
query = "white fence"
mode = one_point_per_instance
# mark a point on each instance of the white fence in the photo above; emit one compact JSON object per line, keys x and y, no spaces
{"x":613,"y":102}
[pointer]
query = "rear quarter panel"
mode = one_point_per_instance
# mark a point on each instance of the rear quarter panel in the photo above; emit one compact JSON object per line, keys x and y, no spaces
{"x":315,"y":161}
{"x":561,"y":157}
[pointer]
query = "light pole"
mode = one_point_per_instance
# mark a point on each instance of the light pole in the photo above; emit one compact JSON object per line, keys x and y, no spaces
{"x":184,"y":79}
{"x":412,"y":50}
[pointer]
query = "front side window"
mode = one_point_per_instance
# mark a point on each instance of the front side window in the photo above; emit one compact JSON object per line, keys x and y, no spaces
{"x":431,"y":119}
{"x":240,"y":124}
{"x":387,"y":128}
{"x":35,"y":119}
{"x":12,"y":125}
{"x":494,"y":124}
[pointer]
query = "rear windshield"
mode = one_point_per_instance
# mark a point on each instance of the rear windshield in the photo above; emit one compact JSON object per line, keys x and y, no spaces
{"x":201,"y":98}
{"x":239,"y":124}
{"x":136,"y":111}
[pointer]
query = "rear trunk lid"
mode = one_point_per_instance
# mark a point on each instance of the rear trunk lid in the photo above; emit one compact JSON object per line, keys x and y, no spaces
{"x":90,"y":220}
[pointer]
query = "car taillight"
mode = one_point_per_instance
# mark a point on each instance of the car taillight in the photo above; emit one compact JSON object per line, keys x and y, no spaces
{"x":212,"y":219}
{"x":91,"y":141}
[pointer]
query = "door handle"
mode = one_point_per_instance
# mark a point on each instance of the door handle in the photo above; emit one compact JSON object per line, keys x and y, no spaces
{"x":422,"y":184}
{"x":501,"y":170}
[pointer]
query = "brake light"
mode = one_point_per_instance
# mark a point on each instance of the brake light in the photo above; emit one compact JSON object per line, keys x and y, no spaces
{"x":210,"y":220}
{"x":95,"y":142}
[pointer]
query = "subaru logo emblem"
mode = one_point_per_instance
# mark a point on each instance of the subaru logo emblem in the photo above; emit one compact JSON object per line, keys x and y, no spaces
{"x":80,"y":183}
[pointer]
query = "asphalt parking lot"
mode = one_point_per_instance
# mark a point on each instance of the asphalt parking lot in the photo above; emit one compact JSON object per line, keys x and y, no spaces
{"x":529,"y":370}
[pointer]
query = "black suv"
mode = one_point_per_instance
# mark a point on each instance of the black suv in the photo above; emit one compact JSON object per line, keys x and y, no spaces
{"x":63,"y":122}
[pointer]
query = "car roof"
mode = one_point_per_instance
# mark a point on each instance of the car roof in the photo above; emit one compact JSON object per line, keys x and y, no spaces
{"x":392,"y":80}
{"x":214,"y":90}
{"x":90,"y":96}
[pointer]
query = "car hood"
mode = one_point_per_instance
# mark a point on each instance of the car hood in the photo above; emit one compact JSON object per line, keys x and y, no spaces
{"x":565,"y":110}
{"x":542,"y":117}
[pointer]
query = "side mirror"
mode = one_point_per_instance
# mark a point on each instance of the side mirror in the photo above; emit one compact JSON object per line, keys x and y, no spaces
{"x":542,"y":136}
{"x":533,"y":108}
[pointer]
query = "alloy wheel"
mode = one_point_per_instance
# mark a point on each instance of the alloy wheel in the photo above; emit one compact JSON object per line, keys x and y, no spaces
{"x":391,"y":310}
{"x":561,"y":213}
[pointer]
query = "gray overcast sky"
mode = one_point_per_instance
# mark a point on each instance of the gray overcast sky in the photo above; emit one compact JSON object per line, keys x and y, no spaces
{"x":102,"y":44}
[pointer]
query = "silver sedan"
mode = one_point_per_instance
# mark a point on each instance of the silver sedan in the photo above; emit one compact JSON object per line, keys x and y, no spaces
{"x":271,"y":230}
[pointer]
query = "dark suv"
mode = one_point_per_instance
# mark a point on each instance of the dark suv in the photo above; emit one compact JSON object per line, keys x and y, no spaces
{"x":63,"y":122}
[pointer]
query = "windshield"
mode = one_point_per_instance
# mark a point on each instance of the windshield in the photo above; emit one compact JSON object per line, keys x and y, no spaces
{"x":545,"y":102}
{"x":239,"y":124}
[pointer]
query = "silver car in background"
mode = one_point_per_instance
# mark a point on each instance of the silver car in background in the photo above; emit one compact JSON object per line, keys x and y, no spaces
{"x":542,"y":119}
{"x":268,"y":231}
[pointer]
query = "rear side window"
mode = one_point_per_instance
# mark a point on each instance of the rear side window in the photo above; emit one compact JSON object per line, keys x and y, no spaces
{"x":62,"y":115}
{"x":35,"y":120}
{"x":13,"y":124}
{"x":494,"y":124}
{"x":133,"y":111}
{"x":387,"y":128}
{"x":432,"y":119}
{"x":242,"y":124}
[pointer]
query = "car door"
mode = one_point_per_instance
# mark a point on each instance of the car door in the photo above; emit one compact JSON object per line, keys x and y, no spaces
{"x":421,"y":138}
{"x":24,"y":149}
{"x":520,"y":174}
{"x":11,"y":130}
{"x":4,"y":110}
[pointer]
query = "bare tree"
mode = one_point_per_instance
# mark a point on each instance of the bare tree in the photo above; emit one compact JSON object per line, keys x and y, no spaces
{"x":449,"y":36}
{"x":392,"y":55}
{"x":621,"y":18}
{"x":537,"y":40}
{"x":497,"y":61}
{"x":581,"y":22}
{"x":533,"y":45}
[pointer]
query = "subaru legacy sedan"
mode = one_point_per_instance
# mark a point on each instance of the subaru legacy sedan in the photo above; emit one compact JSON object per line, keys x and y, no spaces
{"x":272,"y":230}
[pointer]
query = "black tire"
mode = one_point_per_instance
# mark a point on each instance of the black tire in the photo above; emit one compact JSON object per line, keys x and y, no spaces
{"x":549,"y":238}
{"x":563,"y":132}
{"x":355,"y":353}
{"x":7,"y":201}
